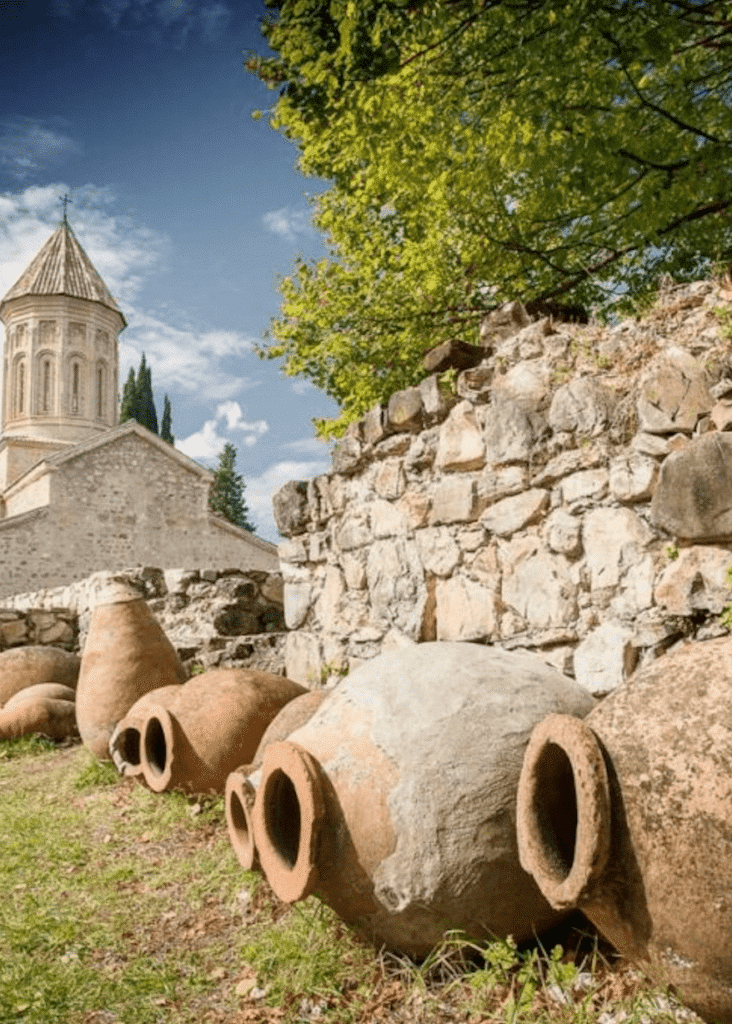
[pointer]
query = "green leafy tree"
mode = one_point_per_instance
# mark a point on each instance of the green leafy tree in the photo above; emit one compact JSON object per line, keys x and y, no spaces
{"x":166,"y":432}
{"x":484,"y":150}
{"x":226,"y":497}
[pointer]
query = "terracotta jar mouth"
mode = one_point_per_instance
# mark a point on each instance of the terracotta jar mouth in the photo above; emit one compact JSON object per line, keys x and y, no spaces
{"x":156,"y":750}
{"x":124,"y":747}
{"x":288,"y":813}
{"x":239,"y":796}
{"x":563,"y":810}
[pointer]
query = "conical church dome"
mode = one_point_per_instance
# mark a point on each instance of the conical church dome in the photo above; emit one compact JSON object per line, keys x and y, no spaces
{"x":61,"y":267}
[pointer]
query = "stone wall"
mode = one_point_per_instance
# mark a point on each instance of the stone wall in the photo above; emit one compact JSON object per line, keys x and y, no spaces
{"x":212,"y":617}
{"x":57,"y":627}
{"x":122,"y":503}
{"x":570,"y":494}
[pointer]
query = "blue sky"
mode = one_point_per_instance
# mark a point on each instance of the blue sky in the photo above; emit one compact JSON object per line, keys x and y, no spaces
{"x":188,"y":208}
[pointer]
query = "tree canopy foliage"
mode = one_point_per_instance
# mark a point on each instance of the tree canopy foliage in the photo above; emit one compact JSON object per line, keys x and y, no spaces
{"x":138,"y":402}
{"x":226,"y":497}
{"x":485,"y":150}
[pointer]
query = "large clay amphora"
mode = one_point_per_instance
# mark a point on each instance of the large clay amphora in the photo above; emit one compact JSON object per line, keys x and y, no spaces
{"x":57,"y":691}
{"x":124,"y":743}
{"x":25,"y":666}
{"x":126,"y":655}
{"x":192,"y":739}
{"x":628,"y":816}
{"x":47,"y":716}
{"x":239,"y":792}
{"x":395,"y":803}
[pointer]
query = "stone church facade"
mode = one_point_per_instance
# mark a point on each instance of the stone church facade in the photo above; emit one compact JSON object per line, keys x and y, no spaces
{"x":78,"y":493}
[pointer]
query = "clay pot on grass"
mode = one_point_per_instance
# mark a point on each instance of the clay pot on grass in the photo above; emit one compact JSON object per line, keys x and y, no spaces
{"x":56,"y":691}
{"x":395,"y":803}
{"x":125,"y":741}
{"x":126,"y":655}
{"x":55,"y":719}
{"x":21,"y":667}
{"x":628,"y":816}
{"x":239,"y":792}
{"x":192,"y":738}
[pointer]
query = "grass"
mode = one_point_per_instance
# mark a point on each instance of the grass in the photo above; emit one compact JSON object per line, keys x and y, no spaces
{"x":121,"y":906}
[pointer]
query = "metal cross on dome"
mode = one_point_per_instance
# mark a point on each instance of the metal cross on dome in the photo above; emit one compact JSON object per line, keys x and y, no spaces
{"x":65,"y":200}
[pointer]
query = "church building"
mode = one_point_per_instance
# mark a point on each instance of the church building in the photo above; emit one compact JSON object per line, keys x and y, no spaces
{"x":78,"y":492}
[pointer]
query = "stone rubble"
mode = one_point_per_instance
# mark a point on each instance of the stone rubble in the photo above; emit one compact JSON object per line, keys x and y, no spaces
{"x":569,"y":495}
{"x":214,"y":618}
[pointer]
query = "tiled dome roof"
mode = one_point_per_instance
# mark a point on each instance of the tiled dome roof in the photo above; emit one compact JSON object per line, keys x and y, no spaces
{"x":62,"y":268}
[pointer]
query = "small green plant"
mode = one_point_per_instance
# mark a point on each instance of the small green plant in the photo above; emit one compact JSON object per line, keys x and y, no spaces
{"x":327,"y":670}
{"x":95,"y":773}
{"x":726,"y":617}
{"x":448,"y":381}
{"x":724,"y":315}
{"x":672,"y":552}
{"x":197,"y":669}
{"x":24,"y":746}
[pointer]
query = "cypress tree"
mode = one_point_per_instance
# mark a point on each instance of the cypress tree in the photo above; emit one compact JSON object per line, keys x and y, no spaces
{"x":226,"y":497}
{"x":145,"y":413}
{"x":166,"y":425}
{"x":126,"y":410}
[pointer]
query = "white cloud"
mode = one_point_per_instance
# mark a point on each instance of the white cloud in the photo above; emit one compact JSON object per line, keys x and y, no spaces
{"x":300,"y":387}
{"x":206,"y":444}
{"x":287,"y":223}
{"x":184,"y":358}
{"x":125,"y":253}
{"x":178,"y":18}
{"x":309,"y":446}
{"x":29,"y":144}
{"x":121,"y":250}
{"x":258,"y":490}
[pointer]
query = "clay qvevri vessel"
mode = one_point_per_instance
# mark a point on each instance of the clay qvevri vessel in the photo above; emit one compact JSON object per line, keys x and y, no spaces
{"x":239,"y":792}
{"x":126,"y":655}
{"x":193,"y":738}
{"x":124,"y":743}
{"x":25,"y":666}
{"x":628,"y":816}
{"x":45,"y":715}
{"x":56,"y":691}
{"x":395,"y":803}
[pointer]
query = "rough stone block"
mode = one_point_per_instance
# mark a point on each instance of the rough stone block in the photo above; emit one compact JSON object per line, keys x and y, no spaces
{"x":512,"y":514}
{"x":437,"y":549}
{"x":465,"y":610}
{"x":537,"y":585}
{"x":563,"y":533}
{"x":633,"y":477}
{"x":452,"y":355}
{"x":347,"y":455}
{"x":614,"y":539}
{"x":290,"y":508}
{"x":673,"y":394}
{"x":695,"y":581}
{"x":582,"y":406}
{"x":372,"y":425}
{"x":589,"y":485}
{"x":435,"y":403}
{"x":405,"y":412}
{"x":507,"y":432}
{"x":302,"y":659}
{"x":389,"y":481}
{"x":527,"y":384}
{"x":461,"y":445}
{"x":693,"y":499}
{"x":476,"y":385}
{"x":605,"y":658}
{"x":298,"y":599}
{"x":453,"y":501}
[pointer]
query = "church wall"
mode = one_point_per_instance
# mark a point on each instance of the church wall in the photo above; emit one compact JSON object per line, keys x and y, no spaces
{"x":122,"y":504}
{"x":34,"y":495}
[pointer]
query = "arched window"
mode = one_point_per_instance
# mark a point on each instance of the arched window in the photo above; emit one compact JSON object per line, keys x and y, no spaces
{"x":100,"y":391}
{"x":75,"y":388}
{"x":20,"y":387}
{"x":46,"y":385}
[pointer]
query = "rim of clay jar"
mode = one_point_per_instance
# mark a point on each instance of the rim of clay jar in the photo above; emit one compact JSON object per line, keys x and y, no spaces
{"x":124,"y":748}
{"x":239,"y":795}
{"x":563,"y":810}
{"x":288,"y":814}
{"x":157,"y":751}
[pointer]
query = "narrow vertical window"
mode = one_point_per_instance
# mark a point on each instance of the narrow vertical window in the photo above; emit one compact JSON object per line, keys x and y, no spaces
{"x":75,"y":388}
{"x":46,"y":404}
{"x":21,"y":386}
{"x":100,"y":392}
